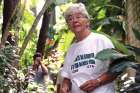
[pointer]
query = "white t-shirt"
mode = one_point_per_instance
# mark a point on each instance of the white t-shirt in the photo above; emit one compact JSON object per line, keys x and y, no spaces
{"x":80,"y":64}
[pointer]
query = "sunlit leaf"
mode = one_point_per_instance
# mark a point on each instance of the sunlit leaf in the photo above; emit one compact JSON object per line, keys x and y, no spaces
{"x":101,"y":14}
{"x":66,"y":41}
{"x":28,"y":17}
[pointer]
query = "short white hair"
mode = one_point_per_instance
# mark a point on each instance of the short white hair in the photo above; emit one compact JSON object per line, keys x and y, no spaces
{"x":76,"y":7}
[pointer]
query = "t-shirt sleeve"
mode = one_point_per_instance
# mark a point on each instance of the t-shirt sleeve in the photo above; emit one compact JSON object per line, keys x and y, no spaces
{"x":107,"y":43}
{"x":104,"y":43}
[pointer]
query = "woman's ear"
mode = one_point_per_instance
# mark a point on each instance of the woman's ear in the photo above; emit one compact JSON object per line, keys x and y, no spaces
{"x":88,"y":24}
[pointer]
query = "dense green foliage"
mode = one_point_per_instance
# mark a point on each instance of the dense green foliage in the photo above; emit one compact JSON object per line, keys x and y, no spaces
{"x":10,"y":77}
{"x":107,"y":17}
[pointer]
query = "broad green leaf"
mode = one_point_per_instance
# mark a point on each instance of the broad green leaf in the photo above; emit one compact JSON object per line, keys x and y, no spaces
{"x":101,"y":14}
{"x":119,"y":61}
{"x":112,"y":54}
{"x":121,"y":47}
{"x":109,"y":54}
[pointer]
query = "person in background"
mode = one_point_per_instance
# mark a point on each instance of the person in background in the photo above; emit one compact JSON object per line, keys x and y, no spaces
{"x":83,"y":73}
{"x":38,"y":73}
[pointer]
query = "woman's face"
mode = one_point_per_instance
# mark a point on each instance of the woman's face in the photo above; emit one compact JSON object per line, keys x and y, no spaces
{"x":77,"y":22}
{"x":37,"y":60}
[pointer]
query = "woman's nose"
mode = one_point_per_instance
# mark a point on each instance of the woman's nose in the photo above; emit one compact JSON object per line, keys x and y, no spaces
{"x":75,"y":19}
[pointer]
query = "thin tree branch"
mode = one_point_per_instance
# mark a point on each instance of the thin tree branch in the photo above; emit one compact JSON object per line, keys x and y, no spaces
{"x":28,"y":37}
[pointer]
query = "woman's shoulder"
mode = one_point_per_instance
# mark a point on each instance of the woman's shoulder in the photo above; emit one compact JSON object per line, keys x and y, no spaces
{"x":98,"y":35}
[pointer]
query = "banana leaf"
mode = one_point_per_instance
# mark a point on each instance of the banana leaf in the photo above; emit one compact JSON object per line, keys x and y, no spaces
{"x":119,"y":61}
{"x":112,"y":54}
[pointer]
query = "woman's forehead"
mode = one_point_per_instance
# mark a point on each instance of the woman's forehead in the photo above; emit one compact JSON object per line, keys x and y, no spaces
{"x":75,"y":12}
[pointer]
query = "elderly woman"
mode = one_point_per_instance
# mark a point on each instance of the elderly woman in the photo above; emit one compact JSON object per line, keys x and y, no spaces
{"x":82,"y":72}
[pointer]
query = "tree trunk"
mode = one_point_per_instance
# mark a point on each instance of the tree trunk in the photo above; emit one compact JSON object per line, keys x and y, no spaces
{"x":0,"y":2}
{"x":32,"y":30}
{"x":43,"y":33}
{"x":133,"y":20}
{"x":8,"y":12}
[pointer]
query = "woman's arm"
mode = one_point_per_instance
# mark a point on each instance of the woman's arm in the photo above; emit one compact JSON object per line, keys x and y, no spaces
{"x":90,"y":85}
{"x":106,"y":78}
{"x":66,"y":85}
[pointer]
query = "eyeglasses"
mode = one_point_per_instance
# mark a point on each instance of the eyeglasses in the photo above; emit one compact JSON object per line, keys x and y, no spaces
{"x":71,"y":18}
